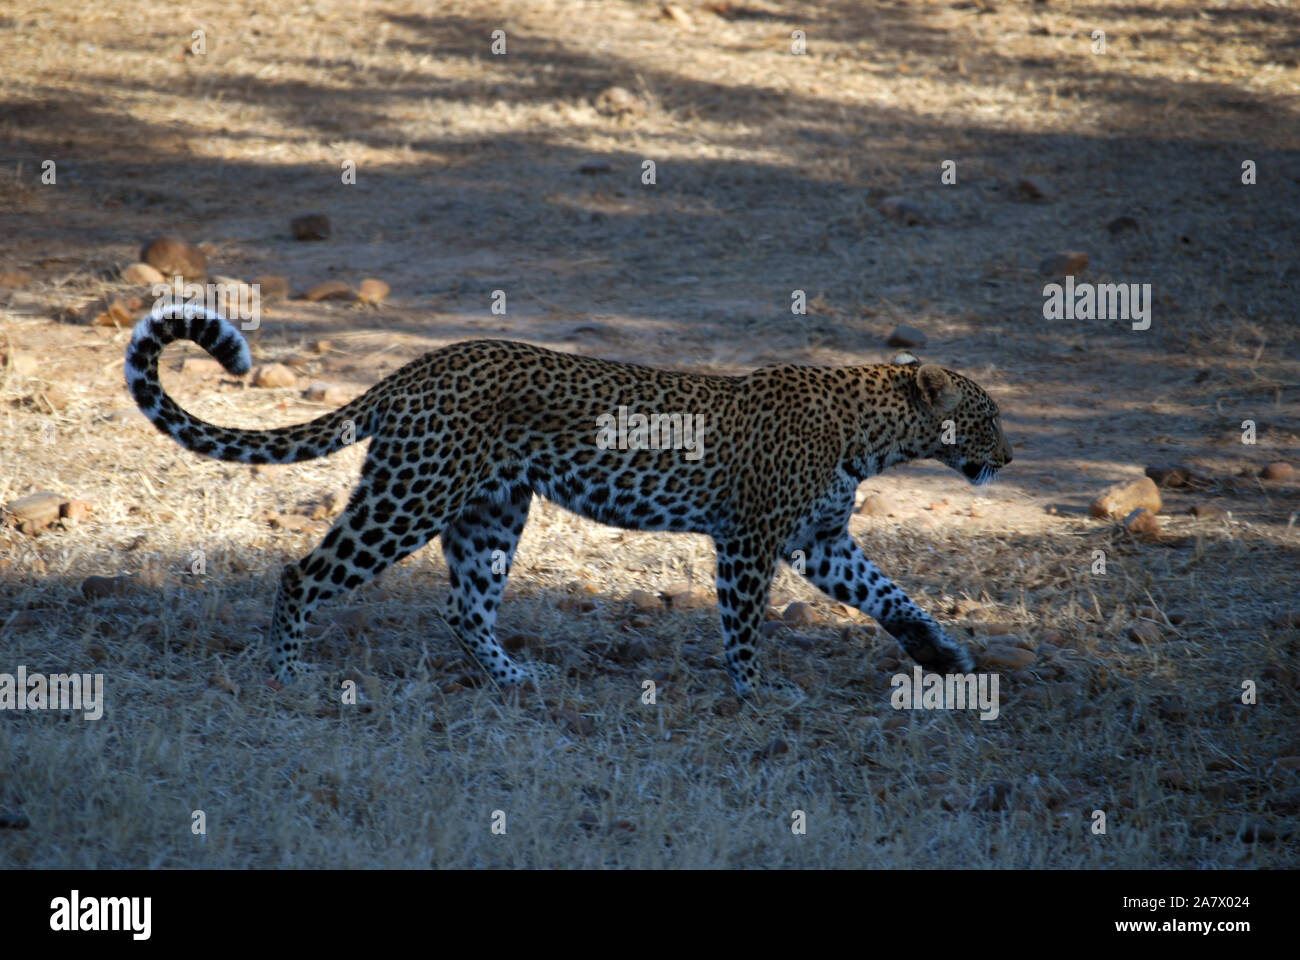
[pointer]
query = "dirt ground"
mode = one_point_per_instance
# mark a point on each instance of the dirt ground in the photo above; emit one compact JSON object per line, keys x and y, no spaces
{"x":774,"y":172}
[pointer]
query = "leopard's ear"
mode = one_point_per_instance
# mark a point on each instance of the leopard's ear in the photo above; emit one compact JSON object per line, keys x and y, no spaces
{"x":938,"y":390}
{"x":906,"y":359}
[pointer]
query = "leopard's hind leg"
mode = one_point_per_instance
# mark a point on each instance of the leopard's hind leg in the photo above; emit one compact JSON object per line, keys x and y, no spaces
{"x":479,"y":546}
{"x":394,"y":510}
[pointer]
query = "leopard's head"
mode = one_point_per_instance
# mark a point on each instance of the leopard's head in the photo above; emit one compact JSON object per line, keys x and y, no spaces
{"x":962,"y":425}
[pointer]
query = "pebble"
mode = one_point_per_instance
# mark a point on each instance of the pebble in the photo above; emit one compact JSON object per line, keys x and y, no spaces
{"x":324,"y":393}
{"x":274,"y":375}
{"x":1122,"y":499}
{"x":1006,"y":658}
{"x":799,"y":614}
{"x":96,"y":588}
{"x":329,"y":290}
{"x":143,"y":274}
{"x":175,"y":256}
{"x":905,"y":212}
{"x":905,"y":336}
{"x":310,"y":226}
{"x":1144,"y":631}
{"x":34,"y":511}
{"x":688,"y":597}
{"x":1064,"y":264}
{"x":645,"y":600}
{"x":873,"y":505}
{"x":1033,"y":188}
{"x":1121,"y":224}
{"x":373,"y":291}
{"x":272,"y":287}
{"x":1142,"y":522}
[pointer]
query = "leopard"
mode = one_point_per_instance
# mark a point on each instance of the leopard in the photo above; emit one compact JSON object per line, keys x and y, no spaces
{"x":461,"y":439}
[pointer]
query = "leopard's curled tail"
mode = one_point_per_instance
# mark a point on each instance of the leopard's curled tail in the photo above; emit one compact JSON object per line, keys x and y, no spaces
{"x":217,"y":335}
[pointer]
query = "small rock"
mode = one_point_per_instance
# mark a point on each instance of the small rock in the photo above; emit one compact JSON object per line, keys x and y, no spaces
{"x":14,"y":278}
{"x":679,"y":16}
{"x":324,"y":393}
{"x":873,"y":505}
{"x":1172,"y":777}
{"x":329,"y":290}
{"x":96,"y":588}
{"x":1121,"y":224}
{"x":1123,"y":498}
{"x":291,"y":521}
{"x":1142,"y":522}
{"x":968,"y":610}
{"x":38,"y":510}
{"x":274,"y":375}
{"x":323,"y":346}
{"x":1173,"y":475}
{"x":578,"y":724}
{"x":645,"y":600}
{"x":272,"y":287}
{"x":143,"y":274}
{"x":1006,"y":658}
{"x":373,"y":291}
{"x":76,"y":510}
{"x":617,"y":102}
{"x":1278,"y":470}
{"x":110,"y":313}
{"x":517,"y":641}
{"x":1206,"y":511}
{"x":903,"y":211}
{"x":1069,"y":263}
{"x":1144,"y":631}
{"x":1033,"y":188}
{"x":727,"y":707}
{"x":20,"y":363}
{"x":310,"y":226}
{"x":799,"y":614}
{"x":905,"y":336}
{"x":174,"y":256}
{"x":687,"y":597}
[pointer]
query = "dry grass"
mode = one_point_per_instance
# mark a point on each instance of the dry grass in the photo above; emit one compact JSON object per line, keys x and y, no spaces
{"x":769,"y":168}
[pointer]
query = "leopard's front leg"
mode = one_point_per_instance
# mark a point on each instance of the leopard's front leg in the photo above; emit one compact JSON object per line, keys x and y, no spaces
{"x":837,"y":565}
